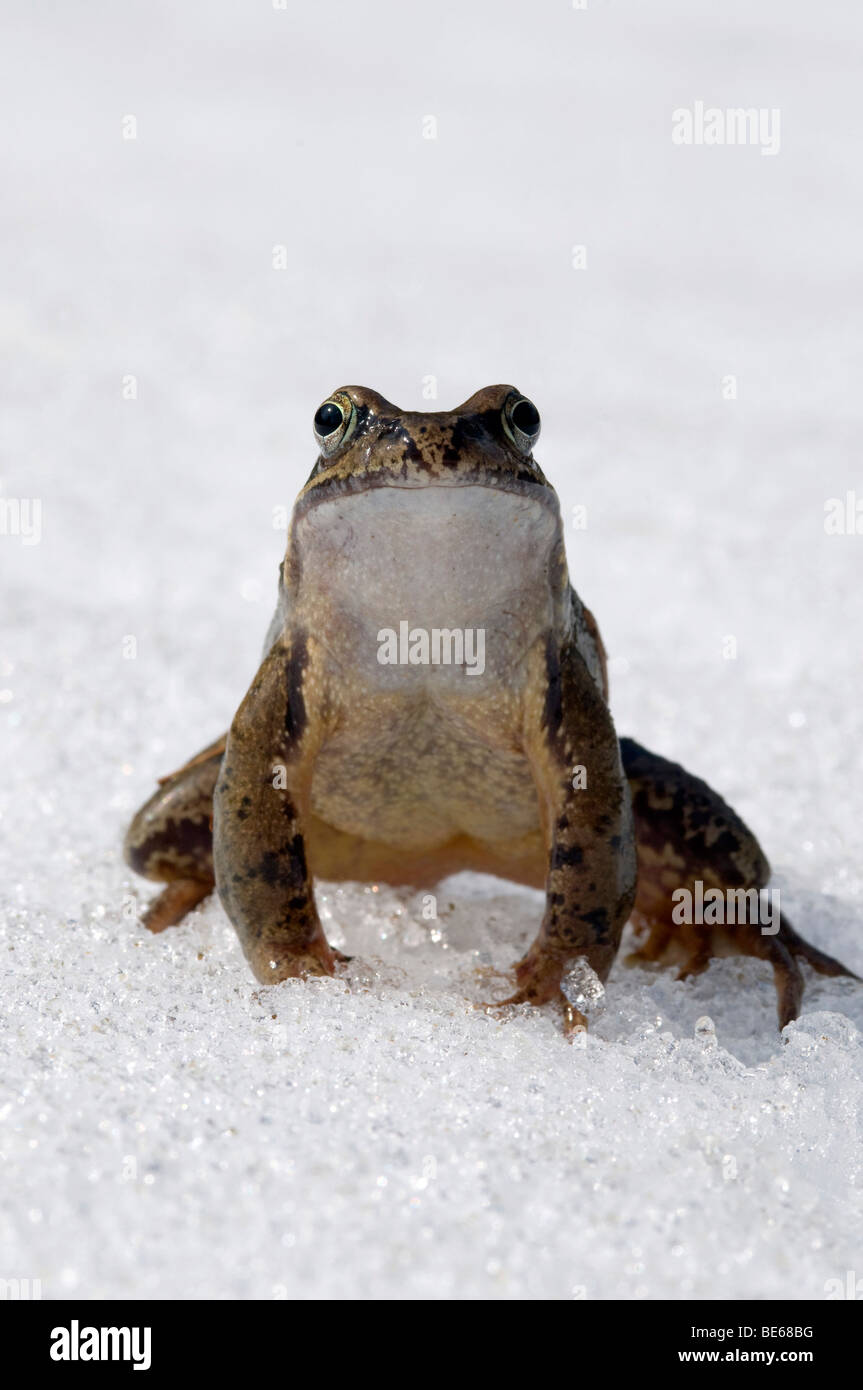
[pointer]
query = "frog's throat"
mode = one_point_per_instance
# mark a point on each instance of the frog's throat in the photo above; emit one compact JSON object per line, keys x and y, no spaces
{"x":474,"y":559}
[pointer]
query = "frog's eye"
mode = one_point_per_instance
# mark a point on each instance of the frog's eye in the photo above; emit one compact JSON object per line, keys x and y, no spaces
{"x":521,"y":422}
{"x":334,"y":422}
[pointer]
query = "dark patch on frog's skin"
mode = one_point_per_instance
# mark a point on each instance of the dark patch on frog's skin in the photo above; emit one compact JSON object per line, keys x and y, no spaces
{"x":284,"y":867}
{"x":686,"y":833}
{"x":553,"y":711}
{"x":671,"y":807}
{"x":268,"y":843}
{"x":563,"y":857}
{"x":468,"y":431}
{"x":181,"y":840}
{"x":171,"y":838}
{"x":395,"y":430}
{"x":295,"y":713}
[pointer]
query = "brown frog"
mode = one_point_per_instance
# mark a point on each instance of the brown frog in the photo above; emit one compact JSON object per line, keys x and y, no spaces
{"x":432,"y":698}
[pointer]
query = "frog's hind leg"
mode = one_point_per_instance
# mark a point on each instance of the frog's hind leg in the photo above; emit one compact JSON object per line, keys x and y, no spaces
{"x":689,"y":838}
{"x":170,"y":839}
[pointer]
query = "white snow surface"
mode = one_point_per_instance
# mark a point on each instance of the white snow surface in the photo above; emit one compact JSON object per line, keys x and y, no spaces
{"x":167,"y":1128}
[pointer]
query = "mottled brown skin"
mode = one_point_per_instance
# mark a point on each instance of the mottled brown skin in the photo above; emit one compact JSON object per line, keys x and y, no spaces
{"x":685,"y":832}
{"x":336,"y":767}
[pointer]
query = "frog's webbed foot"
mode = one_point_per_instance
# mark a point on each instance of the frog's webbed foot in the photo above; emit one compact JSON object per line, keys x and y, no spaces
{"x":696,"y":945}
{"x":538,"y":979}
{"x":573,"y":1020}
{"x":702,"y":880}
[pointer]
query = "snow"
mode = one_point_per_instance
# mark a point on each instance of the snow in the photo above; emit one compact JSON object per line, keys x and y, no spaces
{"x":167,"y":1128}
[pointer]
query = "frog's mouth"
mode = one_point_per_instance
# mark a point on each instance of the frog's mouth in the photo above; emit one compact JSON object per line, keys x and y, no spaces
{"x":526,"y":482}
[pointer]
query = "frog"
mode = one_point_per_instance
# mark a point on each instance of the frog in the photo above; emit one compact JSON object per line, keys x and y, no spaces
{"x":433,"y":698}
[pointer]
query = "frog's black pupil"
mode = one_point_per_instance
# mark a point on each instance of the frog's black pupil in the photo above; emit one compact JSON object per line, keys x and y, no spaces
{"x":525,"y":417}
{"x":327,"y":419}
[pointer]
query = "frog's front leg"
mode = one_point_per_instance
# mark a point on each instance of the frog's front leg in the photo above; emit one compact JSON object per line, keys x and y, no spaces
{"x":586,"y":818}
{"x":260,"y":799}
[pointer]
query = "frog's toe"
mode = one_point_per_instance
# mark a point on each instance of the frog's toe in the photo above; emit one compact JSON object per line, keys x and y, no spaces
{"x":819,"y":960}
{"x":172,"y":904}
{"x":573,"y":1019}
{"x":788,"y":978}
{"x":694,"y":946}
{"x":538,"y":980}
{"x":784,"y":951}
{"x":697,"y":962}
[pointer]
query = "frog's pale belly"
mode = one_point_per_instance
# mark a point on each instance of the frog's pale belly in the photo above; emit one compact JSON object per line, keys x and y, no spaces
{"x":427,"y":603}
{"x":416,"y":780}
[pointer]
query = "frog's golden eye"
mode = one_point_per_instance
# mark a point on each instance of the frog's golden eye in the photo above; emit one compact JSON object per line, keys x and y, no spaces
{"x":334,"y":422}
{"x":521,"y":422}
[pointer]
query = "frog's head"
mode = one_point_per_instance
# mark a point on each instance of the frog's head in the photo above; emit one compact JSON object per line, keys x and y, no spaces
{"x":423,"y":513}
{"x":367,"y":442}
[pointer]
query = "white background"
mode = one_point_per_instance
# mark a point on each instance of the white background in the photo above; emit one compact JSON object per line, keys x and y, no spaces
{"x":161,"y":1133}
